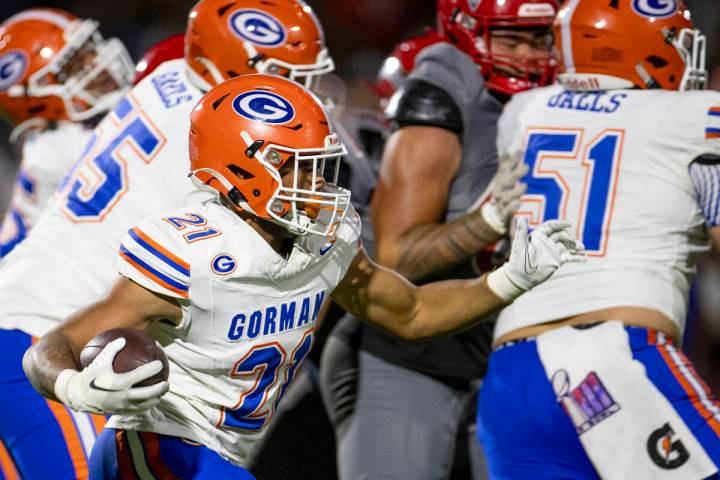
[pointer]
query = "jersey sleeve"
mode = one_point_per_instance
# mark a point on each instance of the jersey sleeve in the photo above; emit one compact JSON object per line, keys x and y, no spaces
{"x":152,"y":255}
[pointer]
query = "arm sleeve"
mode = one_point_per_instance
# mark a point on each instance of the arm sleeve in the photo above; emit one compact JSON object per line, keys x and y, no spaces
{"x":421,"y":103}
{"x":151,"y":255}
{"x":705,"y":176}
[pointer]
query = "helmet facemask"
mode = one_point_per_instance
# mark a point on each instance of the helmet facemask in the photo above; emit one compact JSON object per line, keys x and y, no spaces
{"x":318,"y":209}
{"x":89,"y":74}
{"x":691,"y":46}
{"x":303,"y":74}
{"x":508,"y":73}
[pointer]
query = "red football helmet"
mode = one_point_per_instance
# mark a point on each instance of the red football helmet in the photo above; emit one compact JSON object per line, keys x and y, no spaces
{"x":398,"y":65}
{"x":55,"y":66}
{"x":242,"y":133}
{"x":468,"y":25}
{"x":633,"y":43}
{"x":165,"y":50}
{"x":278,"y":37}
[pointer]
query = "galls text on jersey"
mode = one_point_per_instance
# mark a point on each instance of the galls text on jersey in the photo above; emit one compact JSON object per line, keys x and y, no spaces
{"x":275,"y":319}
{"x":598,"y":102}
{"x":171,"y":89}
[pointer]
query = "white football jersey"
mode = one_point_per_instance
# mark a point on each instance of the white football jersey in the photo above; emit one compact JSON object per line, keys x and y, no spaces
{"x":46,"y":158}
{"x":615,"y":163}
{"x":136,"y":164}
{"x":248,"y":318}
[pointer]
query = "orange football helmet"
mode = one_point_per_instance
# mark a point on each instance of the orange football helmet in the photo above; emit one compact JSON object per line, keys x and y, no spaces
{"x":242,"y":133}
{"x":55,"y":66}
{"x":278,"y":37}
{"x":629,"y":43}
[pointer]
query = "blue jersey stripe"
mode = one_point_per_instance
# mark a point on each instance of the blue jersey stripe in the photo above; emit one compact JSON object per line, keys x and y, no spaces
{"x":712,"y":130}
{"x":159,"y":254}
{"x":180,"y":286}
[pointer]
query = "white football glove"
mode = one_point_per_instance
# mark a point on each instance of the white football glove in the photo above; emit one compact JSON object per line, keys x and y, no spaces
{"x":534,"y":257}
{"x":98,"y":389}
{"x":506,"y":192}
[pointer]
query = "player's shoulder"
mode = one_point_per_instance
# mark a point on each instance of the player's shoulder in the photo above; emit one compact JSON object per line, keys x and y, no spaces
{"x":351,"y":227}
{"x":167,"y":87}
{"x":446,"y":67}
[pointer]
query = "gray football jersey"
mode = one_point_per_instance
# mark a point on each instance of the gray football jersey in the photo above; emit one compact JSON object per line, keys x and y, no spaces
{"x":447,"y":68}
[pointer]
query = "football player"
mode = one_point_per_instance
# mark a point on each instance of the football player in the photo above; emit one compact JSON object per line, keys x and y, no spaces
{"x":57,"y":75}
{"x":232,"y":288}
{"x":445,"y":124}
{"x":587,"y":379}
{"x":170,"y":48}
{"x":136,"y":153}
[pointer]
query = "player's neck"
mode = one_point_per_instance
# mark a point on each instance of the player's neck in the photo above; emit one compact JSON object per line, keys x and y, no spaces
{"x":275,"y":235}
{"x":278,"y":237}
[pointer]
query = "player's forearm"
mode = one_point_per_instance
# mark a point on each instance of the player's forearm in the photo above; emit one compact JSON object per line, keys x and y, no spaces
{"x":432,"y":249}
{"x":437,"y":309}
{"x":44,"y":361}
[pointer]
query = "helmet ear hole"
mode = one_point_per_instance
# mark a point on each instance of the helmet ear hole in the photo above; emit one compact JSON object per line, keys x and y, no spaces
{"x":240,"y":172}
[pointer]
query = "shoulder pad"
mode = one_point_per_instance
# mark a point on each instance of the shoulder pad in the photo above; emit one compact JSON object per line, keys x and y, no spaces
{"x":421,"y":103}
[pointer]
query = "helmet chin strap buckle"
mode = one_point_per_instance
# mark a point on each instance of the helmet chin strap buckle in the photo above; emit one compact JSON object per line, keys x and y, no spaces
{"x":253,"y":148}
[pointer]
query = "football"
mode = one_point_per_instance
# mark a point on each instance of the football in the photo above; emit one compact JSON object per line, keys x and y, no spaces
{"x":140,"y":348}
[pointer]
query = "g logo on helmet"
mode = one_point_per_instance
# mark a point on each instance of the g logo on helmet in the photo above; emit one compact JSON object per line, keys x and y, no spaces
{"x":13,"y":66}
{"x":655,"y":8}
{"x":263,"y":107}
{"x":223,"y":264}
{"x":257,"y":27}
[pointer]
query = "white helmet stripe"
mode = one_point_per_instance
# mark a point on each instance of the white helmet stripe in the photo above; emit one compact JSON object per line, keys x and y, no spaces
{"x":37,"y":14}
{"x":565,"y":16}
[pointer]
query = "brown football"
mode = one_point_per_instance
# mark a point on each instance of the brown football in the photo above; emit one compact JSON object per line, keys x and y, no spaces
{"x":140,"y":348}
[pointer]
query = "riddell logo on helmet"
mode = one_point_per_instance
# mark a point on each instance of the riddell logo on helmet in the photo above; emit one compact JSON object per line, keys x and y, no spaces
{"x":13,"y":66}
{"x":580,"y":84}
{"x":263,"y":107}
{"x":257,"y":27}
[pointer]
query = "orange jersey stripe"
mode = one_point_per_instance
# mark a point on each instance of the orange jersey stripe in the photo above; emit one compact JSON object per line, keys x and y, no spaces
{"x":7,"y":466}
{"x":98,"y":422}
{"x":715,"y":109}
{"x":689,"y":390}
{"x":72,"y":439}
{"x":712,"y":135}
{"x":153,"y":277}
{"x":161,"y":249}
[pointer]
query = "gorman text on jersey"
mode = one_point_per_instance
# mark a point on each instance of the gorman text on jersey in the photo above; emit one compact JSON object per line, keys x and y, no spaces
{"x":275,"y":319}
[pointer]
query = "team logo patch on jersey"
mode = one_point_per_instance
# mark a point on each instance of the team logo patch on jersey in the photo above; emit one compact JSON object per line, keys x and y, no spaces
{"x":587,"y":404}
{"x":264,"y":107}
{"x":223,"y":264}
{"x":655,"y":8}
{"x":13,"y":66}
{"x":257,"y":27}
{"x":665,"y":450}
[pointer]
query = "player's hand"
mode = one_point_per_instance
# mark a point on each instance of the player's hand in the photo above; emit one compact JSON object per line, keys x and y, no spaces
{"x":506,"y":192}
{"x":98,"y":389}
{"x":535,"y":257}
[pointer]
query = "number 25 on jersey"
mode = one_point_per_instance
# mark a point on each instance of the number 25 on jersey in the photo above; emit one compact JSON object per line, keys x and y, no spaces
{"x":571,"y":178}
